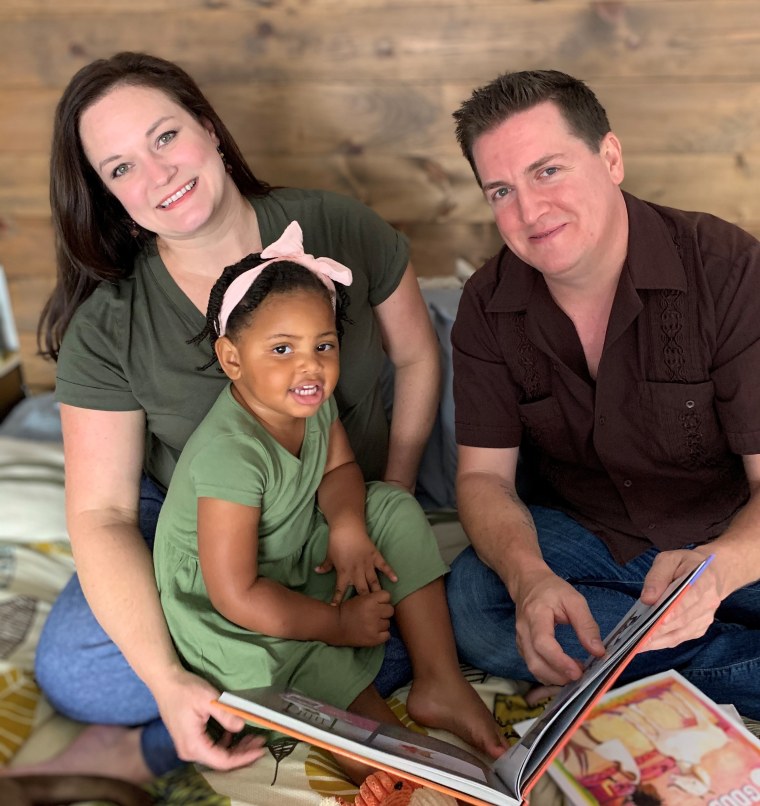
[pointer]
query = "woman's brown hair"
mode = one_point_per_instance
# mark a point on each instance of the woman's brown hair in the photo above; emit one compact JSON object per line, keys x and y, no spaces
{"x":92,"y":230}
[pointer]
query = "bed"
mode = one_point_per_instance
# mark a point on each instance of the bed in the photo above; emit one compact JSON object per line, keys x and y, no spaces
{"x":35,"y":563}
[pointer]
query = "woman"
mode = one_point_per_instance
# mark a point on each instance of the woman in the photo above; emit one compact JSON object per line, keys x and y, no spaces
{"x":151,"y":198}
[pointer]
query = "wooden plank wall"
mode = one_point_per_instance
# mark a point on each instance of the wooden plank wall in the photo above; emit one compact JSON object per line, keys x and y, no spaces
{"x":356,"y":96}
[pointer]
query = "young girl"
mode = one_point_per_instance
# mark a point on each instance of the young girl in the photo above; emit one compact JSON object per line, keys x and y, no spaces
{"x":267,"y":522}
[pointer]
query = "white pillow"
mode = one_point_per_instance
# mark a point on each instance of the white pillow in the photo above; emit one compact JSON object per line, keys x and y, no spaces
{"x":31,"y":491}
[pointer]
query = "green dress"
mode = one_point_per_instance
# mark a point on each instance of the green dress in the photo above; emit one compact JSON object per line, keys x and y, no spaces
{"x":232,"y":457}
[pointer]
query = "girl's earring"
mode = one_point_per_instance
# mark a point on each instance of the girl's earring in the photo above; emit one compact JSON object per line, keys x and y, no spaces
{"x":134,"y":230}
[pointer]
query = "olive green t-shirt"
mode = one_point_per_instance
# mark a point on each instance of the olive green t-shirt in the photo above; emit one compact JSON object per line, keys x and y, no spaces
{"x":126,"y":347}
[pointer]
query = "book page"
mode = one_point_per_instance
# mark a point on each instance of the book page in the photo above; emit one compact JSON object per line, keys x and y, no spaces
{"x":660,"y":739}
{"x":388,"y":738}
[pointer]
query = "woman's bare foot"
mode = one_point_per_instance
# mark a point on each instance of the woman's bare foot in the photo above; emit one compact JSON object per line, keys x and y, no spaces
{"x":452,"y":704}
{"x":112,"y":751}
{"x":23,"y":790}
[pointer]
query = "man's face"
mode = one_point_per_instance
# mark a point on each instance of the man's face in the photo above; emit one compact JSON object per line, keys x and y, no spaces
{"x":556,"y":202}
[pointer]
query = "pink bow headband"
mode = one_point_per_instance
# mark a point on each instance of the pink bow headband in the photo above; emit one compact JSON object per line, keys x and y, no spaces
{"x":289,"y":246}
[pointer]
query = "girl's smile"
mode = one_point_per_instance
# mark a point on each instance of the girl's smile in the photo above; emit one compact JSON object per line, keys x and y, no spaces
{"x":308,"y":394}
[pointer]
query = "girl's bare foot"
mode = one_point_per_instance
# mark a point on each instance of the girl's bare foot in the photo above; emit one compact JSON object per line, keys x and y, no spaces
{"x":112,"y":751}
{"x":452,"y":704}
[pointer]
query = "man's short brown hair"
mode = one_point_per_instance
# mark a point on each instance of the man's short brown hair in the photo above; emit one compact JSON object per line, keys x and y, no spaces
{"x":511,"y":93}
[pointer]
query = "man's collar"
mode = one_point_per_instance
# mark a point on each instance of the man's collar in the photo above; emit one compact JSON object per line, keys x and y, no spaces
{"x":652,"y":261}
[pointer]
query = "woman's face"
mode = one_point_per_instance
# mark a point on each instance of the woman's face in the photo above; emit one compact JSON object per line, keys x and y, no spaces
{"x":155,"y":157}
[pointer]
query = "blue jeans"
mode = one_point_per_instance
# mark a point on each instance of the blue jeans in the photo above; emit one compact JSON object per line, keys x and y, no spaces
{"x":724,"y":663}
{"x":85,"y":676}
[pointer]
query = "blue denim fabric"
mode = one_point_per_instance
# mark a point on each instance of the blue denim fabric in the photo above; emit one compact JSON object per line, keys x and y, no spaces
{"x":83,"y":673}
{"x":85,"y":676}
{"x":396,"y":670}
{"x":724,"y":663}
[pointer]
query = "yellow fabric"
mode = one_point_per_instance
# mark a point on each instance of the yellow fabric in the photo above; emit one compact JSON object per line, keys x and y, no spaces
{"x":31,"y":576}
{"x":19,"y":697}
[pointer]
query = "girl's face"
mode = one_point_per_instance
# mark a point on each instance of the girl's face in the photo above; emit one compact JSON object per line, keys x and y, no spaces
{"x":285,"y":363}
{"x":158,"y":160}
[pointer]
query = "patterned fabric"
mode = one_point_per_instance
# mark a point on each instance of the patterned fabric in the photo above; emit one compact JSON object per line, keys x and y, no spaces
{"x":31,"y":576}
{"x":19,"y":697}
{"x":185,"y":787}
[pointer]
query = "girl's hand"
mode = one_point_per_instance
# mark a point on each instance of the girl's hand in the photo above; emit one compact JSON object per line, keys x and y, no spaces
{"x":364,"y":620}
{"x":356,"y":561}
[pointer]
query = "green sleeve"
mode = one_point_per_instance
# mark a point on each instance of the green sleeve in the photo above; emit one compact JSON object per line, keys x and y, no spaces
{"x":91,"y":369}
{"x":231,"y":469}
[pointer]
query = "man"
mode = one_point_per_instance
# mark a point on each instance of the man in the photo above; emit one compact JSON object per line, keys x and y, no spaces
{"x":616,"y":344}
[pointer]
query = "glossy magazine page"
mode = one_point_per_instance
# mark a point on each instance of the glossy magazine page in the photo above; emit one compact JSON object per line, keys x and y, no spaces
{"x":660,"y":740}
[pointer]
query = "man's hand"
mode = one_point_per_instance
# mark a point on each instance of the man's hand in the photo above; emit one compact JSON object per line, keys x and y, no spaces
{"x":356,"y":561}
{"x":186,"y":704}
{"x":364,"y":620}
{"x":695,"y":611}
{"x":547,"y":601}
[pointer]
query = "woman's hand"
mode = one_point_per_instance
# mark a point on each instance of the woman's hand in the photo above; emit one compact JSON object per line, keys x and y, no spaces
{"x":356,"y":561}
{"x":186,"y":703}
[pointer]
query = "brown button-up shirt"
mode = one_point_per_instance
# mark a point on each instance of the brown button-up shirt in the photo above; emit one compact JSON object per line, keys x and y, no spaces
{"x":650,"y":452}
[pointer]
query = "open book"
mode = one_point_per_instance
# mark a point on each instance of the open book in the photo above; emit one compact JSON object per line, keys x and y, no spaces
{"x":439,"y":764}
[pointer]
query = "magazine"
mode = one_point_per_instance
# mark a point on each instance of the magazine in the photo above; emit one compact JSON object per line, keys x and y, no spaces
{"x":439,"y":764}
{"x":660,"y":740}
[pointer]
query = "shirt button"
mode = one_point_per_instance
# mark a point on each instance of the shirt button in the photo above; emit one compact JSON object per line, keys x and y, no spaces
{"x":690,"y":404}
{"x":652,"y":526}
{"x":555,"y":367}
{"x":627,"y":483}
{"x":602,"y":420}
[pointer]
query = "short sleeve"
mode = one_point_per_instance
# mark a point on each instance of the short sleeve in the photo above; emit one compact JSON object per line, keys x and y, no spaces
{"x":233,"y":469}
{"x":737,"y":355}
{"x":91,"y":372}
{"x":485,"y":400}
{"x":380,"y":240}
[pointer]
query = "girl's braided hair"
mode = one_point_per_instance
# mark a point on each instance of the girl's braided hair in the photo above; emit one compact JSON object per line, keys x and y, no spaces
{"x":282,"y":277}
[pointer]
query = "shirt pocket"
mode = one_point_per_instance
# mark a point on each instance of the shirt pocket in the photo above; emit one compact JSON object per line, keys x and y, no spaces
{"x":681,"y":421}
{"x":545,"y":426}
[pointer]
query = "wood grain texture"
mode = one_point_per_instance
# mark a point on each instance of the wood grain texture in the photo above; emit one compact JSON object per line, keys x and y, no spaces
{"x":308,"y":42}
{"x":356,"y":96}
